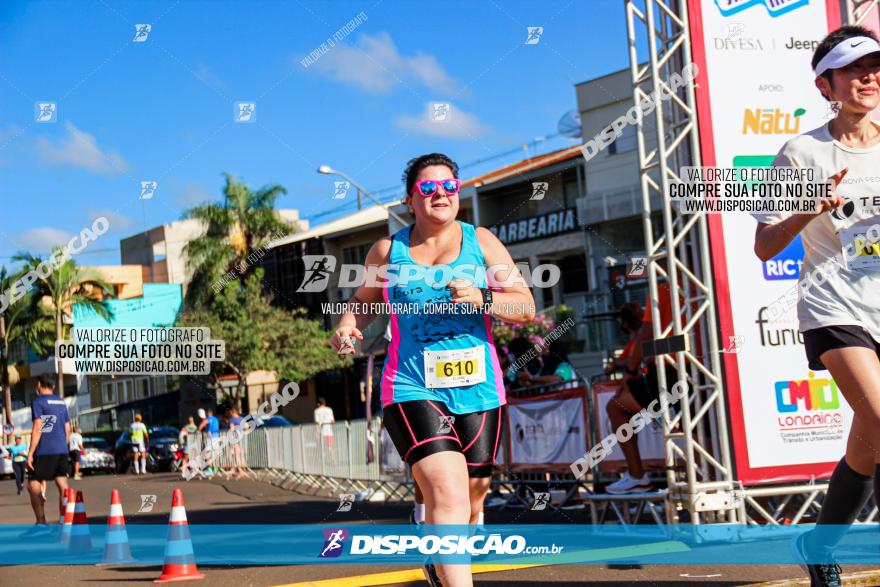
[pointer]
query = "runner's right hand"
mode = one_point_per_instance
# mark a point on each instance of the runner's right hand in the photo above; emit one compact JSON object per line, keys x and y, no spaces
{"x":342,"y":340}
{"x":835,"y":201}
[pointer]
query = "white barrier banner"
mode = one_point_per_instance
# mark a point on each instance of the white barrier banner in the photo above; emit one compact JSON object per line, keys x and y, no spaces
{"x":787,"y":422}
{"x":546,"y":432}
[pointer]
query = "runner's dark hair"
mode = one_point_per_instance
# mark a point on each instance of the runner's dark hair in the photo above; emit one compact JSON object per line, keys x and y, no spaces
{"x":630,"y":316}
{"x":47,"y":380}
{"x":415,"y":166}
{"x":833,"y":39}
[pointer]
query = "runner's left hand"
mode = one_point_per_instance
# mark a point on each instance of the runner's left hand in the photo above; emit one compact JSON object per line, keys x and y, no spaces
{"x":464,"y":292}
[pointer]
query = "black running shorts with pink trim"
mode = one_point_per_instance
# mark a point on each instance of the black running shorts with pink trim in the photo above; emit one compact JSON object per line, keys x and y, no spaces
{"x":420,"y":428}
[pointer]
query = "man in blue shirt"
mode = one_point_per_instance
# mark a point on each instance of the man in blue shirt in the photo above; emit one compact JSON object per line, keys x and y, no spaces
{"x":212,"y":425}
{"x":47,"y":456}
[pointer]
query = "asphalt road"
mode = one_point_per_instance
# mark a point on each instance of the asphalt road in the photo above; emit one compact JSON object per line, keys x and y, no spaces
{"x":221,"y":501}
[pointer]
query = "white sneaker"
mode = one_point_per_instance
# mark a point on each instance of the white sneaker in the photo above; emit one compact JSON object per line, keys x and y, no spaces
{"x":629,"y":484}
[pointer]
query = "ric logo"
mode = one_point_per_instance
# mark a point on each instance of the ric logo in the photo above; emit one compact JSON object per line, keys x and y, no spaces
{"x":787,"y":264}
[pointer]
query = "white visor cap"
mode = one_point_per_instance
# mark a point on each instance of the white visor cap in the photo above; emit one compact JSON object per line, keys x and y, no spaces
{"x":846,"y":52}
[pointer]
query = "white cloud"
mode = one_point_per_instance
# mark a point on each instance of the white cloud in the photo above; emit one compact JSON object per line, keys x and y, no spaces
{"x":458,"y":125}
{"x":79,"y":149}
{"x":117,"y":220}
{"x":375,"y":65}
{"x":193,"y":194}
{"x":41,"y":240}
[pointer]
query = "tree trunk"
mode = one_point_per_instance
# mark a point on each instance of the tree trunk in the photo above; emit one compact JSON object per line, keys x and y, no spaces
{"x":4,"y":376}
{"x":59,"y":372}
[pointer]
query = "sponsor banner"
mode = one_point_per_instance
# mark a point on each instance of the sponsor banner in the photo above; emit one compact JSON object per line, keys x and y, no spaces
{"x":547,"y":432}
{"x":406,"y":544}
{"x":757,"y":92}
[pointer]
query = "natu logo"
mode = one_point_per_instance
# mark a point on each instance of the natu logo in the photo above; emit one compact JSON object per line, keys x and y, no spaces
{"x":771,"y":121}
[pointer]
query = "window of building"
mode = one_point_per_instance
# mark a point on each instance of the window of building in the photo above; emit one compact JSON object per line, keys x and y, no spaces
{"x":625,"y":142}
{"x":108,"y":392}
{"x":355,"y":255}
{"x":574,"y":274}
{"x":142,"y":388}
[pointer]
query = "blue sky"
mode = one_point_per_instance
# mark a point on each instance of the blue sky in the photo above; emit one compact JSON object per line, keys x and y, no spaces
{"x":163,"y":109}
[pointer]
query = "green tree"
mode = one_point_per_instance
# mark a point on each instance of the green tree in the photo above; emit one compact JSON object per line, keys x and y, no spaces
{"x":260,"y":336}
{"x":245,"y":222}
{"x":65,"y":285}
{"x":21,"y":320}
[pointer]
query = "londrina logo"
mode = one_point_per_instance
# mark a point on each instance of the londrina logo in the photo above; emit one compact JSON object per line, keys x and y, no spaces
{"x":333,"y":543}
{"x":787,"y":264}
{"x":774,"y":7}
{"x":808,"y":404}
{"x":767,"y":121}
{"x":807,"y":394}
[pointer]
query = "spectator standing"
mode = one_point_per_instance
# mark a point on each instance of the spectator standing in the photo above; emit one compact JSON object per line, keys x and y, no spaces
{"x":325,"y":420}
{"x":185,"y":437}
{"x":236,"y":451}
{"x":211,"y":425}
{"x":76,"y":450}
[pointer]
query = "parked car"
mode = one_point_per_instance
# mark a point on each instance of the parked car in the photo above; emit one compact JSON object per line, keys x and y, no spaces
{"x":272,"y":422}
{"x":97,"y":456}
{"x":160,"y":449}
{"x":164,"y":443}
{"x":5,"y":463}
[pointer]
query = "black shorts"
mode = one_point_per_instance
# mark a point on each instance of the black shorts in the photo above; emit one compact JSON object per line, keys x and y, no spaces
{"x":420,"y":428}
{"x":75,"y":456}
{"x":48,"y":467}
{"x":646,"y":388}
{"x":819,"y":340}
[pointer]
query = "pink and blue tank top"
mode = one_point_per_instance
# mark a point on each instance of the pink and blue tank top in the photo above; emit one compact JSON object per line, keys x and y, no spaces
{"x":415,"y":335}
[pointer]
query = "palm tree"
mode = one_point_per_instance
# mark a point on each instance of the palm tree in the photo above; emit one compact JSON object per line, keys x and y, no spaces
{"x":244,"y":223}
{"x":22,"y":320}
{"x":66,"y":285}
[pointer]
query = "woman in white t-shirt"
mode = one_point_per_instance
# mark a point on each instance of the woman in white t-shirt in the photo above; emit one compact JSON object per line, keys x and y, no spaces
{"x":839,"y":289}
{"x":324,"y":418}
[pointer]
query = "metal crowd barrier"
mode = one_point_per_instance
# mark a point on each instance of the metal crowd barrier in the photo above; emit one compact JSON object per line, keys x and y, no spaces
{"x":344,"y":457}
{"x":353,"y":458}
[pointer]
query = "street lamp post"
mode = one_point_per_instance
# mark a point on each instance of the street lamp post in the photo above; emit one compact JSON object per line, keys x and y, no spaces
{"x":361,"y":191}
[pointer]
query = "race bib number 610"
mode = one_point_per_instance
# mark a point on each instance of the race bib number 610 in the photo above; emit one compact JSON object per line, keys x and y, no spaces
{"x":455,"y":368}
{"x":867,"y":252}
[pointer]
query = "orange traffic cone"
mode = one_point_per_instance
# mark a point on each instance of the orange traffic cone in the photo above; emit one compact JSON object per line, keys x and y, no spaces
{"x":70,"y":500}
{"x":80,"y":539}
{"x":180,"y":561}
{"x":63,"y":507}
{"x":116,"y":548}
